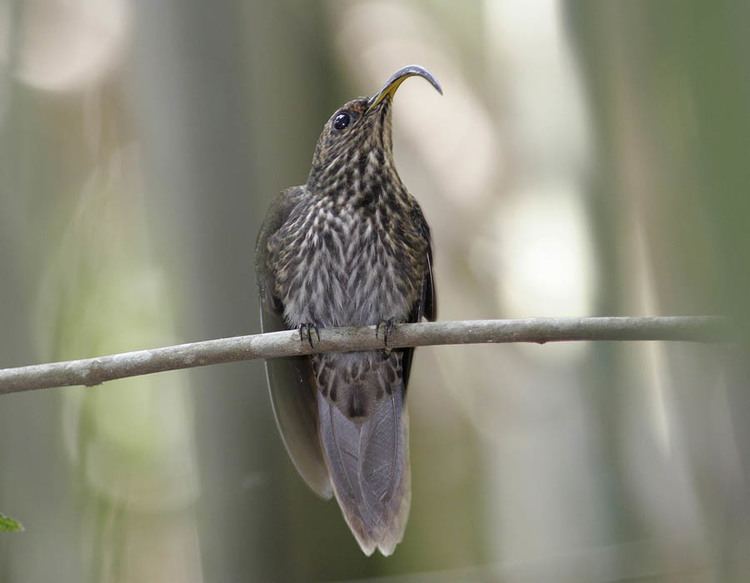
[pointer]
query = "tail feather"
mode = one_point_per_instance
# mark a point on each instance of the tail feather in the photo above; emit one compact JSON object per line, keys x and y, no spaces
{"x":367,"y":456}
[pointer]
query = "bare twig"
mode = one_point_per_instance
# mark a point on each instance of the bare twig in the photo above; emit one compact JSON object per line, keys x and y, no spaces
{"x":92,"y":371}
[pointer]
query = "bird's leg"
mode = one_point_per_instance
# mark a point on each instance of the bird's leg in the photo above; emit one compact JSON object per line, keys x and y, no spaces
{"x":306,"y":333}
{"x":388,"y":327}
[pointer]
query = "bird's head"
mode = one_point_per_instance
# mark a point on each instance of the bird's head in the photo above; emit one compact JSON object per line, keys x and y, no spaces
{"x":356,"y":140}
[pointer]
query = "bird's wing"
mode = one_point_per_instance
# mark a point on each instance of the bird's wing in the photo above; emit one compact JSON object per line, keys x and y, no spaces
{"x":290,"y":380}
{"x":426,"y":304}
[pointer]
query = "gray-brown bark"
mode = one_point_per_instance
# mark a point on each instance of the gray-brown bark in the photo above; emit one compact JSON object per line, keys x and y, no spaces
{"x":93,"y":371}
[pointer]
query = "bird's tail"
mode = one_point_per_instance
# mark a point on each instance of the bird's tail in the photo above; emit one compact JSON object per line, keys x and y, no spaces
{"x":364,"y":433}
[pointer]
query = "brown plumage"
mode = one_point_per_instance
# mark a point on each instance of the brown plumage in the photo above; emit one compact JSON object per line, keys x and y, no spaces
{"x":349,"y":248}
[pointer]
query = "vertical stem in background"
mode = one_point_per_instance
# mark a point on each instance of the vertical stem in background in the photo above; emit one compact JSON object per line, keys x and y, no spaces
{"x":590,"y":25}
{"x":14,"y":260}
{"x":30,"y":448}
{"x":226,"y":89}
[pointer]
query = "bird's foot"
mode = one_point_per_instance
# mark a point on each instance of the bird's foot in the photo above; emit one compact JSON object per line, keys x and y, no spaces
{"x":306,"y":332}
{"x":387,"y":326}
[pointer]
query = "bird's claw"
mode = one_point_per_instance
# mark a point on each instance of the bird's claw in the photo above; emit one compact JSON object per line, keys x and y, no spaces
{"x":388,"y":326}
{"x":306,"y":333}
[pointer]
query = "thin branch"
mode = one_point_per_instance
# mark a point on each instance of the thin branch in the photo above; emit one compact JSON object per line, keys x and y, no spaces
{"x":93,"y":371}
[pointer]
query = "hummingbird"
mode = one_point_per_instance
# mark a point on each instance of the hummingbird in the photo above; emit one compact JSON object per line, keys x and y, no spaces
{"x":350,"y":247}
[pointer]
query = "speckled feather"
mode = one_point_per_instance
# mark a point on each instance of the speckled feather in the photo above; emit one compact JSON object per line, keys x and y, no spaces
{"x":350,"y":247}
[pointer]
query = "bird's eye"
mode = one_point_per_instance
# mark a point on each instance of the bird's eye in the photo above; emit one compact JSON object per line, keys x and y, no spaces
{"x":341,"y":120}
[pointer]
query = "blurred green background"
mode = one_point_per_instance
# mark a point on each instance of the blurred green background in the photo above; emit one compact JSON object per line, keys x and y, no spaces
{"x":588,"y":158}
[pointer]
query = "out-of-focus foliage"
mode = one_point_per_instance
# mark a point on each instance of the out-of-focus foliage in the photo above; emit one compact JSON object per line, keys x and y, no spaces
{"x":8,"y":524}
{"x":588,"y":157}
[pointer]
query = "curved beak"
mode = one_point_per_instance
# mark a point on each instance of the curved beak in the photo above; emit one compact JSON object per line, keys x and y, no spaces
{"x":390,"y":87}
